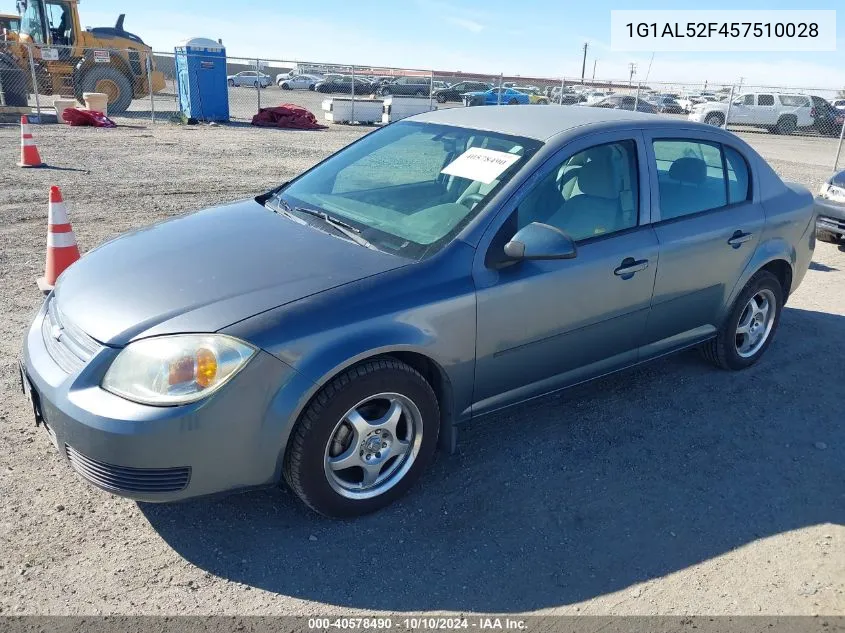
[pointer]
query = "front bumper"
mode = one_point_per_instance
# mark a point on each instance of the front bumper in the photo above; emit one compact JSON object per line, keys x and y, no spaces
{"x":233,"y":439}
{"x":830,"y":216}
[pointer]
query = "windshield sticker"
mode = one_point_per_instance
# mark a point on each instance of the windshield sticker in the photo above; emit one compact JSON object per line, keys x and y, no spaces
{"x":483,"y":165}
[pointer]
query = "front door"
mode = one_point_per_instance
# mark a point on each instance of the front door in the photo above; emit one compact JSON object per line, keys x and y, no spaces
{"x":546,"y":324}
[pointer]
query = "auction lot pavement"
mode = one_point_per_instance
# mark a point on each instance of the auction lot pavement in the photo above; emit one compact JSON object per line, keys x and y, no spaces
{"x":673,"y":488}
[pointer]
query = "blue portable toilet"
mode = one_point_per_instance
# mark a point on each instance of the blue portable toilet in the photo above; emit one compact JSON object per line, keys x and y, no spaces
{"x":201,"y":80}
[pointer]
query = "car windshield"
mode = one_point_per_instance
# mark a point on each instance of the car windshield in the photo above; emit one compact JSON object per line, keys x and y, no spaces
{"x":410,"y":187}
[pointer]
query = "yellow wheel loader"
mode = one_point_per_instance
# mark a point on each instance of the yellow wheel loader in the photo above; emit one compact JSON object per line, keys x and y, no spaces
{"x":69,"y":61}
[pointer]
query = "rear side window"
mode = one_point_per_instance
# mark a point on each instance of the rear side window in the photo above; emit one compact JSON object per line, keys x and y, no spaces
{"x":765,"y":100}
{"x":739,"y":183}
{"x":695,"y":176}
{"x":795,"y":101}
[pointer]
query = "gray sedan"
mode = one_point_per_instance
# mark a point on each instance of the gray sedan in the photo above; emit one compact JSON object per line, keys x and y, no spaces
{"x":333,"y":331}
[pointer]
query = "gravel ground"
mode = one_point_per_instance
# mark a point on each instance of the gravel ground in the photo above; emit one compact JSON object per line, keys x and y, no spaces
{"x":669,"y":489}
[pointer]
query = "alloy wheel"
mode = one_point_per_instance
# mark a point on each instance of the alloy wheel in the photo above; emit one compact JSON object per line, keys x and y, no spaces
{"x":755,"y":323}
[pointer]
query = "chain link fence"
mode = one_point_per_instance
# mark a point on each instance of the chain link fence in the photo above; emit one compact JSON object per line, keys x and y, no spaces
{"x":145,"y":86}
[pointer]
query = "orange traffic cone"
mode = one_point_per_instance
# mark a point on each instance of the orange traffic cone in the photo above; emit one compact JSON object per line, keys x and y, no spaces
{"x":62,"y":250}
{"x":29,"y":152}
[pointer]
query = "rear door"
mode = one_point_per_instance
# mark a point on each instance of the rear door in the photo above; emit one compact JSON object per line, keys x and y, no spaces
{"x":767,"y":110}
{"x":708,"y":223}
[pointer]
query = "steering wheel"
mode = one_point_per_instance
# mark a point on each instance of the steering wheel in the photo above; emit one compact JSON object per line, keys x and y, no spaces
{"x":472,"y":199}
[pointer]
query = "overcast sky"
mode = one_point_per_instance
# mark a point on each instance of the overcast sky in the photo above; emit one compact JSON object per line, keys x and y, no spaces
{"x":531,"y":37}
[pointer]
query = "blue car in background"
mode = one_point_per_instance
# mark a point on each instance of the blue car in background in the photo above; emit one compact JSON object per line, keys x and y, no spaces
{"x":509,"y":96}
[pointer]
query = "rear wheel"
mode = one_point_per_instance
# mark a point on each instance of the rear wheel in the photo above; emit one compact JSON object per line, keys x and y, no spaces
{"x":363,"y":440}
{"x":14,"y":84}
{"x":284,"y":86}
{"x":786,"y":125}
{"x":513,"y":102}
{"x":311,"y":87}
{"x":751,"y":325}
{"x":715,"y":119}
{"x":110,"y":81}
{"x":828,"y":236}
{"x":231,"y":83}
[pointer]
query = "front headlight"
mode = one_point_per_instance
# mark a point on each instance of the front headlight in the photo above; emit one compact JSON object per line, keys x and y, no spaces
{"x":171,"y":370}
{"x":832,"y":192}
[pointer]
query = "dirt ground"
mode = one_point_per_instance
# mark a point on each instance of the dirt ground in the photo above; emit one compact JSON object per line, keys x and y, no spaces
{"x":670,"y":489}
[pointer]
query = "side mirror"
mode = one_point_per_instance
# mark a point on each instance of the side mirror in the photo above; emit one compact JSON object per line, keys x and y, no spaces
{"x":540,"y":241}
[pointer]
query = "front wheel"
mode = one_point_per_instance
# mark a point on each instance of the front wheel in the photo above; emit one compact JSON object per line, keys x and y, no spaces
{"x":830,"y":237}
{"x":513,"y":102}
{"x":441,"y":98}
{"x":231,"y":83}
{"x":364,"y":439}
{"x":751,"y":325}
{"x":715,"y":119}
{"x":111,"y":82}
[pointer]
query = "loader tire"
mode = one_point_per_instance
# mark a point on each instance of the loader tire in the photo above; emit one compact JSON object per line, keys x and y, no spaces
{"x":14,"y":84}
{"x":111,"y":81}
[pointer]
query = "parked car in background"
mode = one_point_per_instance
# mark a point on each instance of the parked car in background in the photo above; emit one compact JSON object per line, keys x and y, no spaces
{"x":249,"y":78}
{"x":777,"y":112}
{"x":417,"y":86}
{"x":496,"y":96}
{"x":826,"y":119}
{"x":299,"y":82}
{"x":454,"y":92}
{"x":535,"y":95}
{"x":595,"y":96}
{"x":830,"y":209}
{"x":330,"y":332}
{"x":839,"y":104}
{"x":626,"y":102}
{"x":438,"y":84}
{"x":11,"y":22}
{"x":667,"y":105}
{"x":343,"y":84}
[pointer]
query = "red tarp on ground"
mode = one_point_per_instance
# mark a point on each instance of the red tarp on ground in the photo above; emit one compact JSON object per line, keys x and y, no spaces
{"x":74,"y":116}
{"x":288,"y":116}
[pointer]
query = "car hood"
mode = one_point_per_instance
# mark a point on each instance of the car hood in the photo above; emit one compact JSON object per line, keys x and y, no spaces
{"x":205,"y":271}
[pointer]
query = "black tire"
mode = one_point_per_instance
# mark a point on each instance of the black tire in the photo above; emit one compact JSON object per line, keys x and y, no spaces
{"x":786,"y":125}
{"x":441,"y":98}
{"x":830,"y":237}
{"x":14,"y":83}
{"x":513,"y":102}
{"x":304,"y":468}
{"x":311,"y":87}
{"x":284,"y":86}
{"x":721,"y":350}
{"x":716,"y":119}
{"x":97,"y":73}
{"x":385,"y":91}
{"x":231,"y":83}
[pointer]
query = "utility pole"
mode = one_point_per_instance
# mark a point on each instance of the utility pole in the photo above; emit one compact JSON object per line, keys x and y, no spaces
{"x":632,"y":68}
{"x":584,"y":62}
{"x":741,"y":79}
{"x":594,"y":69}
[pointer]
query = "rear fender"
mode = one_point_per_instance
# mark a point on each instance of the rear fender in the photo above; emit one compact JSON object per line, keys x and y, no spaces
{"x":771,"y":250}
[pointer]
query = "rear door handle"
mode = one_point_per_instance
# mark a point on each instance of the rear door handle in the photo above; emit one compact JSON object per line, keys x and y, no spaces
{"x":739,"y":238}
{"x":630,"y":266}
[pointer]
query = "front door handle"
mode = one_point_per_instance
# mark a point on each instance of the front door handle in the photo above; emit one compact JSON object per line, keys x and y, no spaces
{"x":629,"y":266}
{"x":739,"y":238}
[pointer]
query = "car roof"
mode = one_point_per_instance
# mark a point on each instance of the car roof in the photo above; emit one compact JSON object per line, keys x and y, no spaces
{"x":541,"y":122}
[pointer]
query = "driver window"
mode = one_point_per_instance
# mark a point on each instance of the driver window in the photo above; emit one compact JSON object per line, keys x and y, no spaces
{"x":32,"y":24}
{"x":748,"y":100}
{"x":594,"y":192}
{"x":60,"y":23}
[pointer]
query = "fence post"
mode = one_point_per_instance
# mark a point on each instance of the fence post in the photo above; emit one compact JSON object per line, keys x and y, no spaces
{"x":34,"y":82}
{"x":499,"y":95}
{"x":352,"y":92}
{"x":728,"y":113}
{"x":562,"y":86}
{"x":839,"y":147}
{"x":431,"y":90}
{"x":637,"y":97}
{"x":150,"y":87}
{"x":258,"y":82}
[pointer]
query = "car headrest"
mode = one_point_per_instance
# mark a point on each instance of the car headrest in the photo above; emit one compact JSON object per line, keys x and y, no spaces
{"x":596,"y":179}
{"x":688,"y":169}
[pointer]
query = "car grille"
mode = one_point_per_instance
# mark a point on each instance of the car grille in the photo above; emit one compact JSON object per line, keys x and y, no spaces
{"x":125,"y":479}
{"x":69,"y":346}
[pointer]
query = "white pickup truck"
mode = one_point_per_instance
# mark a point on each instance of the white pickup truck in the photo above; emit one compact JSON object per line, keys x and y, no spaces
{"x":776,"y":112}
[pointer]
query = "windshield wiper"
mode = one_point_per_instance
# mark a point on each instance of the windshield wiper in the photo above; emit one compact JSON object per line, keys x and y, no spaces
{"x":348,"y":230}
{"x":284,"y":209}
